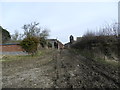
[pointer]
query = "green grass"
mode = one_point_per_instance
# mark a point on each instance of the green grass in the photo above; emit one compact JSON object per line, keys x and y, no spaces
{"x":8,"y":58}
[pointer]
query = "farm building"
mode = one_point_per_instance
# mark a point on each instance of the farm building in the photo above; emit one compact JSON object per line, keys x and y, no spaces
{"x":55,"y":43}
{"x":17,"y":49}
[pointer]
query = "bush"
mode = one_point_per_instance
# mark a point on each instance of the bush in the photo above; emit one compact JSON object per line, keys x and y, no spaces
{"x":102,"y":44}
{"x":30,"y":44}
{"x":42,"y":42}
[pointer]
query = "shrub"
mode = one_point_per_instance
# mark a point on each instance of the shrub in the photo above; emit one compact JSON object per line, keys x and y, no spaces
{"x":42,"y":42}
{"x":30,"y":44}
{"x":98,"y":44}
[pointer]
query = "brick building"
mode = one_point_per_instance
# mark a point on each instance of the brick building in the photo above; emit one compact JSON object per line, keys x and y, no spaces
{"x":11,"y":48}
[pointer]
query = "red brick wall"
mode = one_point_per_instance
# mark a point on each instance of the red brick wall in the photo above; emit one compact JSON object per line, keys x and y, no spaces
{"x":11,"y":48}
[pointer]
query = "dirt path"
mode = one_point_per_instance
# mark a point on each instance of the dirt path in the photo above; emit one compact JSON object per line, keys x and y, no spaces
{"x":57,"y":69}
{"x":78,"y":72}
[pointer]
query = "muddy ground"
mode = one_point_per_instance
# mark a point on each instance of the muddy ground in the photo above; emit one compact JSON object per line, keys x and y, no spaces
{"x":58,"y":69}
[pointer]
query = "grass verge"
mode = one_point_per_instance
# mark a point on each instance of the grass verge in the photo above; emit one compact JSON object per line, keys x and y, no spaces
{"x":40,"y":53}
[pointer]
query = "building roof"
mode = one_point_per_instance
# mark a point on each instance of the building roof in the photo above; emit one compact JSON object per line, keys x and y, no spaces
{"x":10,"y":44}
{"x":52,"y":39}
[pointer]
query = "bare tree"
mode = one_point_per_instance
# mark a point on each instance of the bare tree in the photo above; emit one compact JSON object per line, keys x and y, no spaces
{"x":44,"y":33}
{"x":32,"y":29}
{"x":108,"y":30}
{"x":16,"y":36}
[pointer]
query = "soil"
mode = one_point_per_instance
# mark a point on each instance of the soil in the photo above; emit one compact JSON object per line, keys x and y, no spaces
{"x":59,"y":69}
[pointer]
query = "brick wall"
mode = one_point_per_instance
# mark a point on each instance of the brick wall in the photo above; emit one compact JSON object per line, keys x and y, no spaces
{"x":11,"y":48}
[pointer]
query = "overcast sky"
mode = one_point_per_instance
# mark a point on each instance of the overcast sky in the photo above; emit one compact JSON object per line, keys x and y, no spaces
{"x":61,"y":18}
